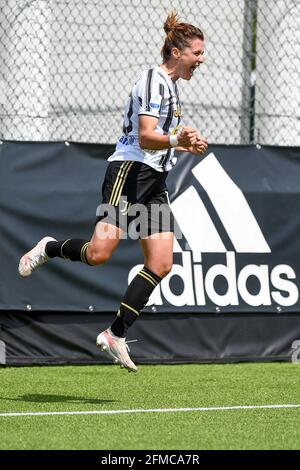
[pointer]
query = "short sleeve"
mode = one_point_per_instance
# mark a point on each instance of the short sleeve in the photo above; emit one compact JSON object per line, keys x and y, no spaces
{"x":149,"y":92}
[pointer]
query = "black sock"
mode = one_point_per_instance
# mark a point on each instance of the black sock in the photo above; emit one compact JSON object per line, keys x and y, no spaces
{"x":73,"y":249}
{"x":135,"y":299}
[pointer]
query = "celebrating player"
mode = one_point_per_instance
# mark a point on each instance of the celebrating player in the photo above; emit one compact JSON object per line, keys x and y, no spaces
{"x":136,"y":176}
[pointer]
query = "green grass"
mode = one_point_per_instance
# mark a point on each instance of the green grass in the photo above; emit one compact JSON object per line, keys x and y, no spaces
{"x":81,"y":388}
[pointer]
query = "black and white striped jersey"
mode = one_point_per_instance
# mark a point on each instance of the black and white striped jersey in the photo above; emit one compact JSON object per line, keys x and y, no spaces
{"x":154,"y":94}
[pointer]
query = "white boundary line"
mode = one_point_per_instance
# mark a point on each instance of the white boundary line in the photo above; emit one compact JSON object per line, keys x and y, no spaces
{"x":150,"y":410}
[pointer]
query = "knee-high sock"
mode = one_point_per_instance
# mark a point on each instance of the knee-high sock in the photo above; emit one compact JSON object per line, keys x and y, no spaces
{"x":73,"y":249}
{"x":135,"y":299}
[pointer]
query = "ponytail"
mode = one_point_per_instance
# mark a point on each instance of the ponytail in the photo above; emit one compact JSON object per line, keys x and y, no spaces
{"x":178,"y":35}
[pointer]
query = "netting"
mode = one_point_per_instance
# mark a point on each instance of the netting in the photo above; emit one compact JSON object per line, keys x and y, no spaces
{"x":67,"y":67}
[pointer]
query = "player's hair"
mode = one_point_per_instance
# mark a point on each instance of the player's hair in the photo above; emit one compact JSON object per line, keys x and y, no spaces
{"x":178,"y":35}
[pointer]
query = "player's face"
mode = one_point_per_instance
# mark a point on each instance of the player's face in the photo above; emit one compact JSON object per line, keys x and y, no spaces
{"x":190,"y":58}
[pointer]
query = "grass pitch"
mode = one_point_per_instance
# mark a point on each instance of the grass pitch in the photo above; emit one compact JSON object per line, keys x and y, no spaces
{"x":94,"y":388}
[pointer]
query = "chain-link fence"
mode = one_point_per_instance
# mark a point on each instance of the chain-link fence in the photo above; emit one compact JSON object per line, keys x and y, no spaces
{"x":67,"y":67}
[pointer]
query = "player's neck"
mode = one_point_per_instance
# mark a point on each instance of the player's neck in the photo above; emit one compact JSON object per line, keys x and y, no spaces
{"x":170,"y":71}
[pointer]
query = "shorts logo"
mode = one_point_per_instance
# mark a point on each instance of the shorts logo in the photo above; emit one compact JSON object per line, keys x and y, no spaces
{"x":126,"y":207}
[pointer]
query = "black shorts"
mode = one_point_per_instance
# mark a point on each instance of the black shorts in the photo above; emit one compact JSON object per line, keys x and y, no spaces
{"x":135,"y":198}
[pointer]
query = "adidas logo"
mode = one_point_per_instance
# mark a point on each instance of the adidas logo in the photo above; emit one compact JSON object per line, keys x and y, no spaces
{"x":227,"y":282}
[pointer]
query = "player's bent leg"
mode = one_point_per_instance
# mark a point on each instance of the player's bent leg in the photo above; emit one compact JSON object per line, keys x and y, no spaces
{"x":103,"y":243}
{"x":158,"y":252}
{"x":98,"y":250}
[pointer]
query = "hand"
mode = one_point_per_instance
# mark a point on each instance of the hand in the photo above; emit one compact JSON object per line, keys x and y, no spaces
{"x":199,"y":147}
{"x":187,"y":137}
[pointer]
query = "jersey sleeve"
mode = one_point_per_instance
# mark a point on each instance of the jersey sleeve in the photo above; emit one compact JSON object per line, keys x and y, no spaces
{"x":149,"y":92}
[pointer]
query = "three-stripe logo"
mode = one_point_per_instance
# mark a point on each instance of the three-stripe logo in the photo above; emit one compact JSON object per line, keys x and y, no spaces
{"x":231,"y":206}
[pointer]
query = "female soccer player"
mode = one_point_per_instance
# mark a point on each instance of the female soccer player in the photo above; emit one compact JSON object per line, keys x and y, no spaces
{"x":136,"y":178}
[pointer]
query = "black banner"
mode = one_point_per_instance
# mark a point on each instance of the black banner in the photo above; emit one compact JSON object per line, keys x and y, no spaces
{"x":238,"y":239}
{"x":236,"y":258}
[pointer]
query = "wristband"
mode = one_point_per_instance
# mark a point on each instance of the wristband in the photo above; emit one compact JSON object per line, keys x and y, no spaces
{"x":173,"y":139}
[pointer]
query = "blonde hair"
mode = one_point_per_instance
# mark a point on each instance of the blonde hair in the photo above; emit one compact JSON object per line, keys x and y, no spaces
{"x":178,"y":35}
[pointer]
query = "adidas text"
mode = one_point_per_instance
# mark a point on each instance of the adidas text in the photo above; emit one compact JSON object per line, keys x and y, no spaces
{"x":275,"y":285}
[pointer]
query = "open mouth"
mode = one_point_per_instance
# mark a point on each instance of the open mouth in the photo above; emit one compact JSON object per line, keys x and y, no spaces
{"x":192,"y":69}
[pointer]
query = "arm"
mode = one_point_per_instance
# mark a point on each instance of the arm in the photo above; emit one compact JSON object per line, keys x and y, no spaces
{"x":149,"y":139}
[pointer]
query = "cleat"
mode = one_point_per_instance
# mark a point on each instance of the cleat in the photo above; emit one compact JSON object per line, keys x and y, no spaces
{"x":116,"y":348}
{"x":34,"y":258}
